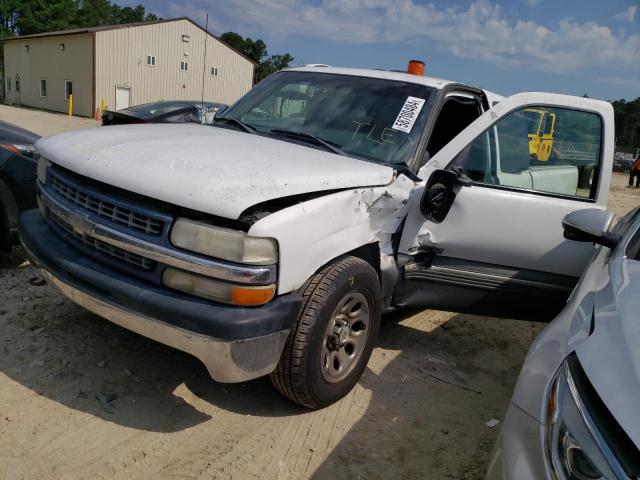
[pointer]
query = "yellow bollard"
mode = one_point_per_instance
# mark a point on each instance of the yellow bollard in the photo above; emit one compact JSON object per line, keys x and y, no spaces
{"x":70,"y":105}
{"x":102,"y":105}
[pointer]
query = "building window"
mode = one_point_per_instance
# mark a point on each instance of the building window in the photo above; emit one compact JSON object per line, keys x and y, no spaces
{"x":43,"y":87}
{"x":151,"y":60}
{"x":8,"y":84}
{"x":184,"y":66}
{"x":186,"y":38}
{"x":215,"y":72}
{"x":68,"y":89}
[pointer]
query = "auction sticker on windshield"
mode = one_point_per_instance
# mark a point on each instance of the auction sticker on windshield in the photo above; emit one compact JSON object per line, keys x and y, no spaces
{"x":408,"y":114}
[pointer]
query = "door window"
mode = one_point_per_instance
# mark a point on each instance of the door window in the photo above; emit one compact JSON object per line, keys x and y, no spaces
{"x":456,"y":114}
{"x":508,"y":155}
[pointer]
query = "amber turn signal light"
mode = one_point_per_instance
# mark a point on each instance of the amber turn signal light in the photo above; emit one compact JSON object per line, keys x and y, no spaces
{"x":252,"y":296}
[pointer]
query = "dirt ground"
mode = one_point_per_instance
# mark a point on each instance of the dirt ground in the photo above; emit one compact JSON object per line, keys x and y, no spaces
{"x":419,"y":411}
{"x":41,"y":122}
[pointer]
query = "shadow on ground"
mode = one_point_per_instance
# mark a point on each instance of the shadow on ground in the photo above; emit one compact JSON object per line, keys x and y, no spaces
{"x":67,"y":354}
{"x":429,"y":404}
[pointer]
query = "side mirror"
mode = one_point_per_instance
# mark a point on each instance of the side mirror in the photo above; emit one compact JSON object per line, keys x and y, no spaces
{"x":438,"y":195}
{"x":590,"y":225}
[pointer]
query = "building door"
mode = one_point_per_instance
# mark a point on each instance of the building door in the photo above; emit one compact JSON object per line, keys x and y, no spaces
{"x":123,"y":95}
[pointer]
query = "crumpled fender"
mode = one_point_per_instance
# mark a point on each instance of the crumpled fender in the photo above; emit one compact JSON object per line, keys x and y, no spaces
{"x":312,"y":233}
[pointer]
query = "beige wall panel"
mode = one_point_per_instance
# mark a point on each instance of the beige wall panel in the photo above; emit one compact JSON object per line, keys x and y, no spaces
{"x":46,"y":60}
{"x":121,"y":60}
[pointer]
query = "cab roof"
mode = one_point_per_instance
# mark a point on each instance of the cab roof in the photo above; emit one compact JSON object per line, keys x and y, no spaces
{"x":372,"y":73}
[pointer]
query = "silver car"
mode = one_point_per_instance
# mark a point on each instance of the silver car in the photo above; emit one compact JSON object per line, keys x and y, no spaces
{"x":575,"y":411}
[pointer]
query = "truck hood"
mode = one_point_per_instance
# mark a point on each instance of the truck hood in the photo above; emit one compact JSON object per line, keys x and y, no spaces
{"x":213,"y":170}
{"x":610,"y":356}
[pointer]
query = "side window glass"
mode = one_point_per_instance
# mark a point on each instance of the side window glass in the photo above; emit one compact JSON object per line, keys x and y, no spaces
{"x":540,"y":149}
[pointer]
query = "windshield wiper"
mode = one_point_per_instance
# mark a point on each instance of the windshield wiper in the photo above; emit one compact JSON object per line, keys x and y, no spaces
{"x":312,"y":138}
{"x":235,"y":122}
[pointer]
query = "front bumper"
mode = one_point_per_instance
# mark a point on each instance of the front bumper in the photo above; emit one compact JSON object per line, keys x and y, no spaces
{"x":235,"y":343}
{"x":518,"y":453}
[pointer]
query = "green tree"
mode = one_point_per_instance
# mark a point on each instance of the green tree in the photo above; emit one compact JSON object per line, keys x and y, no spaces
{"x":94,"y":13}
{"x":257,"y":51}
{"x":627,"y":119}
{"x":25,"y":17}
{"x":8,"y":16}
{"x":273,"y":64}
{"x":131,"y":15}
{"x":37,"y":16}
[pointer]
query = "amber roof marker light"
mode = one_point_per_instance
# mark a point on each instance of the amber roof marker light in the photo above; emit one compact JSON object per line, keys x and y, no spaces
{"x":416,"y":67}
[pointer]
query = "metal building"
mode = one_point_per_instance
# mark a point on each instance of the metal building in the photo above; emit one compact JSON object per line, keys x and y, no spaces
{"x":123,"y":65}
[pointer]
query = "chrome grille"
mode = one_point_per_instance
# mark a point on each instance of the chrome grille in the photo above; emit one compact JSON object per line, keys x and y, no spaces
{"x":132,"y":258}
{"x":105,"y":209}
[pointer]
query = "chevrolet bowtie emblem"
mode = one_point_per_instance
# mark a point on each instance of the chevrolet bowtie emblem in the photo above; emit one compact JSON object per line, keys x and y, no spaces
{"x":80,"y":224}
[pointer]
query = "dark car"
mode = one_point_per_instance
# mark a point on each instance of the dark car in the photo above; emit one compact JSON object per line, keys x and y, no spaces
{"x":173,"y":111}
{"x":621,"y":164}
{"x":17,"y":140}
{"x":17,"y":193}
{"x":17,"y":179}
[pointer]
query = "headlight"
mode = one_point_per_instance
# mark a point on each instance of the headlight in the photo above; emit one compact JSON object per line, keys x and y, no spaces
{"x":223,"y":243}
{"x":572,"y":451}
{"x":43,"y":164}
{"x":24,"y":149}
{"x":216,"y":290}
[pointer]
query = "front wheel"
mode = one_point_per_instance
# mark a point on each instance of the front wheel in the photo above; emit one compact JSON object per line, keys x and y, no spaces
{"x":329,"y":346}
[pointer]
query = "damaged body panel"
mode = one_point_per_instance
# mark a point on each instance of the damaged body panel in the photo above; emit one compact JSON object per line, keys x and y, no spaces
{"x":312,"y":233}
{"x":210,"y":170}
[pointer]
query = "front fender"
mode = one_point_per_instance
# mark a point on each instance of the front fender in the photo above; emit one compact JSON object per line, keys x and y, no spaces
{"x":312,"y":233}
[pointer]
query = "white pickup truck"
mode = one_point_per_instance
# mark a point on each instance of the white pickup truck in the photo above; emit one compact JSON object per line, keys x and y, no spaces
{"x":271,"y":242}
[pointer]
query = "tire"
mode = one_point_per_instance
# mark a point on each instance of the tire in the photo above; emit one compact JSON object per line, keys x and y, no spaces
{"x":307,"y":372}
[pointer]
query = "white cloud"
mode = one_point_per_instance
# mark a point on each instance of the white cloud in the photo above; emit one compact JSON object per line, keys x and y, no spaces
{"x":628,"y":15}
{"x":533,"y":3}
{"x":481,"y":31}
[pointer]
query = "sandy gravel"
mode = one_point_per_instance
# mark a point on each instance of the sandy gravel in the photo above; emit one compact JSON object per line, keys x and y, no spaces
{"x":418,"y":412}
{"x":43,"y":123}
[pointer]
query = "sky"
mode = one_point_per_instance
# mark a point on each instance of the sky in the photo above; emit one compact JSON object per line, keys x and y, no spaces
{"x":563,"y":46}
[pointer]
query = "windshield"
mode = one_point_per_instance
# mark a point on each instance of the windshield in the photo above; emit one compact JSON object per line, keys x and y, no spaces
{"x":370,"y":118}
